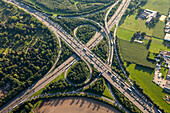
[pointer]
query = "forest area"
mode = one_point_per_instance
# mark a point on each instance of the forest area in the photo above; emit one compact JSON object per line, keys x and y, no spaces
{"x":28,"y":50}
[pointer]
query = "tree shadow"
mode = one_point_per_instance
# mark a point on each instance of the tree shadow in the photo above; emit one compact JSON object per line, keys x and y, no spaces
{"x":81,"y":104}
{"x":89,"y":105}
{"x":98,"y":107}
{"x":56,"y":103}
{"x":144,"y":69}
{"x":77,"y":101}
{"x":94,"y":107}
{"x":72,"y":101}
{"x":128,"y":64}
{"x":122,"y":20}
{"x":41,"y":104}
{"x":164,"y":91}
{"x":62,"y":101}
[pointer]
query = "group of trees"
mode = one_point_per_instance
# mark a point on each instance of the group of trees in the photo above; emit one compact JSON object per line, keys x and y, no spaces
{"x":20,"y":68}
{"x":98,"y":17}
{"x":78,"y":73}
{"x":134,"y":4}
{"x":69,"y":24}
{"x":66,"y":52}
{"x":60,"y":86}
{"x":98,"y":87}
{"x":85,"y":33}
{"x":69,"y":7}
{"x":101,"y":49}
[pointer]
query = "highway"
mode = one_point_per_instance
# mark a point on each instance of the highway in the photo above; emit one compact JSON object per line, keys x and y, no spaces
{"x":90,"y":57}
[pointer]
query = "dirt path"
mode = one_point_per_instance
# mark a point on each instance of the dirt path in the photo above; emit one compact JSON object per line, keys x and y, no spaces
{"x":74,"y":105}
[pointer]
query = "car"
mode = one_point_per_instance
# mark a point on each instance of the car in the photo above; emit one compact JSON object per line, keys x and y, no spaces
{"x":132,"y":87}
{"x":159,"y":111}
{"x":109,"y":72}
{"x":91,"y":56}
{"x":122,"y":84}
{"x":129,"y":90}
{"x":114,"y":77}
{"x":84,"y":49}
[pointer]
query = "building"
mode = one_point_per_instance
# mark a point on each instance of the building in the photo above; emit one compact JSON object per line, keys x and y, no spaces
{"x":167,"y":37}
{"x":162,"y":18}
{"x":148,"y":14}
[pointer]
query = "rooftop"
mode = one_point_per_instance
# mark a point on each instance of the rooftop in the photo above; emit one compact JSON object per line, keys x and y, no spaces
{"x":167,"y":37}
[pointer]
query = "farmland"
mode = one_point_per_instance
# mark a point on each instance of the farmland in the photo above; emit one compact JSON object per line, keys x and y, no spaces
{"x":133,"y":24}
{"x":144,"y":76}
{"x":158,"y":5}
{"x":135,"y":52}
{"x":159,"y":30}
{"x":124,"y":34}
{"x":157,"y":45}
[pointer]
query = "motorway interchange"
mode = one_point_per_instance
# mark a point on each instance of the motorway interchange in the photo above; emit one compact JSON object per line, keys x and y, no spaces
{"x":87,"y":55}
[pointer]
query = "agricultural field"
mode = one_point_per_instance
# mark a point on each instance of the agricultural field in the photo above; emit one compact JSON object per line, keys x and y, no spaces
{"x":70,"y":6}
{"x":157,"y":45}
{"x":144,"y":76}
{"x":133,"y":24}
{"x":124,"y":34}
{"x":135,"y":52}
{"x":159,"y":30}
{"x":161,"y":6}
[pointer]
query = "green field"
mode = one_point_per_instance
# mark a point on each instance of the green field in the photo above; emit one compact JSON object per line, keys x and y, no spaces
{"x":159,"y":30}
{"x":144,"y":76}
{"x":161,"y":6}
{"x":133,"y":24}
{"x":164,"y":72}
{"x":157,"y":45}
{"x":135,"y":52}
{"x":107,"y":92}
{"x":124,"y":34}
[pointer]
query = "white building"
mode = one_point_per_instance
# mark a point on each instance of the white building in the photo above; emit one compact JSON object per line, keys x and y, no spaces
{"x":167,"y":37}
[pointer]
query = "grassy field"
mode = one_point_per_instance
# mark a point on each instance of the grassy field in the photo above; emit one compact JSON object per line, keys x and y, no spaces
{"x":133,"y":24}
{"x":124,"y":34}
{"x":161,"y":6}
{"x":157,"y":45}
{"x":144,"y":76}
{"x":107,"y":93}
{"x":135,"y":52}
{"x":159,"y":30}
{"x":164,"y":72}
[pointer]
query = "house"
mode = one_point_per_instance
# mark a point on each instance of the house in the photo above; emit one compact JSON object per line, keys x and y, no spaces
{"x":168,"y":74}
{"x":149,"y":14}
{"x":162,"y":18}
{"x":167,"y":37}
{"x":160,"y":74}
